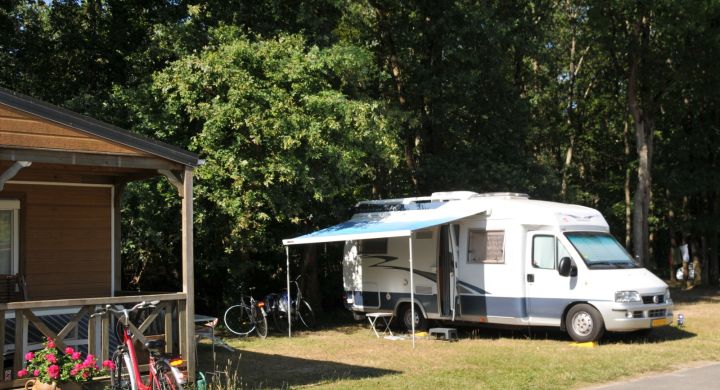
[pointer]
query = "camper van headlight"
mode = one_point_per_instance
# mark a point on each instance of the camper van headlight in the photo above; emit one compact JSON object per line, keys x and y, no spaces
{"x":667,"y":295}
{"x":627,"y":296}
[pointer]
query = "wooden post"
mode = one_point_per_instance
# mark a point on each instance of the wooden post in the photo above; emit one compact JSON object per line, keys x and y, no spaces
{"x":169,"y":328}
{"x":188,"y":275}
{"x":105,"y":336}
{"x":21,"y":325}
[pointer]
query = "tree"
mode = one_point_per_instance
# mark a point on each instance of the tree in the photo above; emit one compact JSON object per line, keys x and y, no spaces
{"x":288,"y":136}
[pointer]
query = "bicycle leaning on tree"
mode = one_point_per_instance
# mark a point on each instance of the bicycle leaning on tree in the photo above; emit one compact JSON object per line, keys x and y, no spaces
{"x":247,"y":316}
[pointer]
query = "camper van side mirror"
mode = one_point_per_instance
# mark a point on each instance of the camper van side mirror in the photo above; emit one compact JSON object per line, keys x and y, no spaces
{"x":566,"y":267}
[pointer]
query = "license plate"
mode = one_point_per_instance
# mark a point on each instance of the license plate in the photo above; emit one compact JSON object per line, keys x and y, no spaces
{"x":659,"y":322}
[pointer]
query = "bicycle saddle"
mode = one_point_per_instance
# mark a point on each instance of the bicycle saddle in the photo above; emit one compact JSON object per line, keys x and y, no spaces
{"x":155,"y":344}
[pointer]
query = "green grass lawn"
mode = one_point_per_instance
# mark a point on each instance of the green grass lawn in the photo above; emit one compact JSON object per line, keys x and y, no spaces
{"x":350,"y":356}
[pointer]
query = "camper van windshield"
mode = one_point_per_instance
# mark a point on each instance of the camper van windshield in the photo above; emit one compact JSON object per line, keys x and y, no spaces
{"x":600,"y":251}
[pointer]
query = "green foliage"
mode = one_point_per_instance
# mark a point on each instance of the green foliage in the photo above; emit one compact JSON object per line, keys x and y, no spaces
{"x":288,"y":136}
{"x":300,"y":109}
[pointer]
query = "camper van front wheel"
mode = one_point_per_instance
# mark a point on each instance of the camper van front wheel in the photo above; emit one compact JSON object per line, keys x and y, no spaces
{"x":406,"y":315}
{"x":584,"y":323}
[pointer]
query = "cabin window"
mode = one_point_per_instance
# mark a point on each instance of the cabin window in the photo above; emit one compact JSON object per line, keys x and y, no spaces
{"x":486,"y":246}
{"x":375,"y":246}
{"x":9,"y":240}
{"x":547,"y":251}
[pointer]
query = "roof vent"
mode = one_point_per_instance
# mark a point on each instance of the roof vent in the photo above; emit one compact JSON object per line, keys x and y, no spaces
{"x":452,"y":195}
{"x":505,"y":195}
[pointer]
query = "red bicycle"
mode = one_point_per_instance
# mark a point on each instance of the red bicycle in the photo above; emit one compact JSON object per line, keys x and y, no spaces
{"x":164,"y":372}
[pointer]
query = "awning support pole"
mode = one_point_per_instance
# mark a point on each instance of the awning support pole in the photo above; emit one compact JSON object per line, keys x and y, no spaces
{"x":289,"y":302}
{"x":412,"y":292}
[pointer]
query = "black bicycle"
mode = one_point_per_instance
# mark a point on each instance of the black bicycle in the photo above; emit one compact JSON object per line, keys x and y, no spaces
{"x":247,"y":316}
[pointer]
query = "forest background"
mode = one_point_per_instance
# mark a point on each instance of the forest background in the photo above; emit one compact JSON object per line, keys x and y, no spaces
{"x":302,"y":108}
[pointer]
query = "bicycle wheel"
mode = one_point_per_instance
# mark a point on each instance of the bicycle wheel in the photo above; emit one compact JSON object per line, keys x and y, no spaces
{"x":260,"y":322}
{"x":280,"y":319}
{"x":120,"y":376}
{"x":164,"y":379}
{"x":306,"y":314}
{"x":237,"y":320}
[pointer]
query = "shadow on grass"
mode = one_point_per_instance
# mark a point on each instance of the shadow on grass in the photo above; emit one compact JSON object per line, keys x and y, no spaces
{"x":245,"y":369}
{"x":657,"y":335}
{"x":695,"y":295}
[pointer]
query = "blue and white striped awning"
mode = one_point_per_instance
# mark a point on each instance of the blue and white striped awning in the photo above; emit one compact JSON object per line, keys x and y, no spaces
{"x":385,"y":225}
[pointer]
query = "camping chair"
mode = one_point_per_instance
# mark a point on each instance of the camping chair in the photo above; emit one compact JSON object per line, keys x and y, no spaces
{"x":12,"y":288}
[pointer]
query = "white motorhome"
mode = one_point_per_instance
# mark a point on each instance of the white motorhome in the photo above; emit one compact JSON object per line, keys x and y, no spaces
{"x":497,"y":258}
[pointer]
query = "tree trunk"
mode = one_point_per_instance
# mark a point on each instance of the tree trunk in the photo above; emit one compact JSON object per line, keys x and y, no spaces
{"x":386,"y":39}
{"x":714,"y":261}
{"x":311,"y":280}
{"x":628,"y":190}
{"x":639,"y":109}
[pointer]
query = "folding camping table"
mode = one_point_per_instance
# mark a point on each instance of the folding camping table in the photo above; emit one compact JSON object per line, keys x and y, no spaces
{"x":386,"y":318}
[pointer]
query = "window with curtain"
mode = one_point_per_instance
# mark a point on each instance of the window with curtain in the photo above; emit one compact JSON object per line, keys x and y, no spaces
{"x":486,"y":246}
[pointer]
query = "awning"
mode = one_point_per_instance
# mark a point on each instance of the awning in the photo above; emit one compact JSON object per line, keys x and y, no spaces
{"x":384,"y":225}
{"x":387,"y":224}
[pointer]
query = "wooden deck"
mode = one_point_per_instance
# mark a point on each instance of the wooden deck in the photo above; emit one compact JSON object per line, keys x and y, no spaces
{"x":171,"y":312}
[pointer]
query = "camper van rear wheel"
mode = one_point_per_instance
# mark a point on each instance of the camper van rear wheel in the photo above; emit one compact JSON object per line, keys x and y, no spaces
{"x":406,"y":315}
{"x":584,"y":323}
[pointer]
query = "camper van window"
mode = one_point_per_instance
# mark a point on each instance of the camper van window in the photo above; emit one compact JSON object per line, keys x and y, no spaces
{"x":544,"y":252}
{"x":375,"y":246}
{"x":547,"y":251}
{"x":486,"y":247}
{"x":600,"y":250}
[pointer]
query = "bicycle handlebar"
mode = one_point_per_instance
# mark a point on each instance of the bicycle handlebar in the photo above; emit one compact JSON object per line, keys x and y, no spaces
{"x":124,"y":311}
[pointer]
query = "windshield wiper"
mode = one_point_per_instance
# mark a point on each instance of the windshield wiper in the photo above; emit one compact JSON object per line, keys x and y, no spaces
{"x":602,"y":264}
{"x":611,"y":264}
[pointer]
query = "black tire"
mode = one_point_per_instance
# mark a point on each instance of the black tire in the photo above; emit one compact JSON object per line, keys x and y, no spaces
{"x":165,"y":381}
{"x":261,"y":327}
{"x":237,"y":320}
{"x":584,"y":323}
{"x":120,"y":376}
{"x":306,"y":314}
{"x":406,"y":315}
{"x":280,"y":320}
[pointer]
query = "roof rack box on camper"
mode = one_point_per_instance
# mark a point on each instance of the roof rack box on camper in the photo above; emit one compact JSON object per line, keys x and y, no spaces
{"x":502,"y":258}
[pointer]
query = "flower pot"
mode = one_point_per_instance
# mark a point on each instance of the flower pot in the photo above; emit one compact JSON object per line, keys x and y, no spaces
{"x":35,"y":384}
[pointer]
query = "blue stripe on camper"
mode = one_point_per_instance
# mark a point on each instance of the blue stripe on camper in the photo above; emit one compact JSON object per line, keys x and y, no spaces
{"x":429,"y":301}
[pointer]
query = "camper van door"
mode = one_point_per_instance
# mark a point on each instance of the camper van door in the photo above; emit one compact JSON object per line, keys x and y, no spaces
{"x":546,"y":291}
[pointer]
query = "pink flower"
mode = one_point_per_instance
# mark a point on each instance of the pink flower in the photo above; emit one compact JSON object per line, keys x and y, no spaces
{"x":76,"y":356}
{"x":50,"y":343}
{"x":29,"y":356}
{"x":22,"y":373}
{"x":73,"y":372}
{"x":78,"y":367}
{"x":36,"y":373}
{"x":85,"y":374}
{"x":53,"y":371}
{"x":108,"y":364}
{"x":69,"y":351}
{"x":51,"y":358}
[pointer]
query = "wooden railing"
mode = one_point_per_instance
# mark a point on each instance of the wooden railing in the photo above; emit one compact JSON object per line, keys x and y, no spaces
{"x":170,"y":311}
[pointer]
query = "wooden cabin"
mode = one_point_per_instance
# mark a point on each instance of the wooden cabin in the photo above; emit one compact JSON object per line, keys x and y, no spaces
{"x":62,"y":175}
